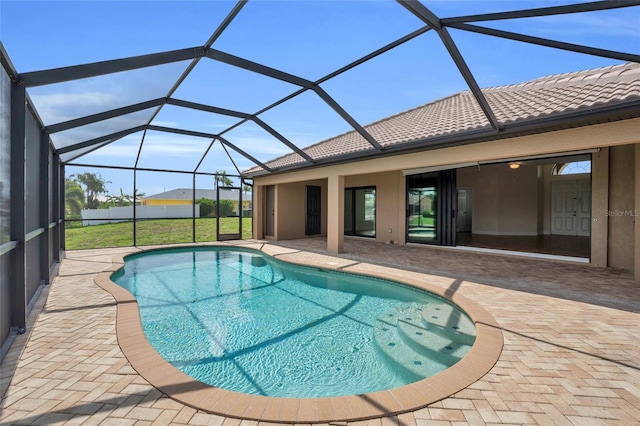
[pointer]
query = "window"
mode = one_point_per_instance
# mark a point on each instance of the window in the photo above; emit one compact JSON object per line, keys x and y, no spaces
{"x":573,"y":168}
{"x":360,"y":211}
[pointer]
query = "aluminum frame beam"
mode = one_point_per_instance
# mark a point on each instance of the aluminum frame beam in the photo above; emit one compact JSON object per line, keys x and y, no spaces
{"x":57,"y":205}
{"x":627,"y":57}
{"x":543,"y":11}
{"x":93,"y":148}
{"x":375,"y":53}
{"x":106,"y":115}
{"x":298,"y":81}
{"x":248,"y":65}
{"x":95,"y":69}
{"x":428,"y":17}
{"x":231,"y":159}
{"x":282,"y":139}
{"x":223,"y":141}
{"x":143,"y":169}
{"x":346,"y":117}
{"x":181,"y":132}
{"x":223,"y":25}
{"x":206,"y":152}
{"x":100,"y":139}
{"x":44,"y":200}
{"x":17,"y":212}
{"x":207,"y":108}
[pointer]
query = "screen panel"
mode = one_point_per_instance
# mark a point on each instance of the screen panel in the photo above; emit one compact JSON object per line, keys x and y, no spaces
{"x":5,"y":153}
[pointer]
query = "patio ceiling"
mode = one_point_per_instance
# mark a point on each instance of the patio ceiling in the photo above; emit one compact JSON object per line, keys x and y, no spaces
{"x":254,"y":95}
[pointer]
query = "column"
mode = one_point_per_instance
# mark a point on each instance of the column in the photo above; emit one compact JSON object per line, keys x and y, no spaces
{"x":17,"y":262}
{"x":56,"y":204}
{"x":257,"y":211}
{"x":45,"y":201}
{"x":599,"y":207}
{"x":636,"y":266}
{"x":335,"y":214}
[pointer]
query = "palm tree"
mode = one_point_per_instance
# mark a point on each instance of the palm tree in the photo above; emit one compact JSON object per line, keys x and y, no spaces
{"x":73,"y":197}
{"x":94,"y":185}
{"x":246,"y":189}
{"x":222,"y":179}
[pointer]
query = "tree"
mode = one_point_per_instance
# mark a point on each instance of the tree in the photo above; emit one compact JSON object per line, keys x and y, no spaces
{"x":94,"y":185}
{"x":222,"y":179}
{"x":246,"y":189}
{"x":206,"y":207}
{"x":226,"y":208}
{"x":120,"y":200}
{"x":73,"y":197}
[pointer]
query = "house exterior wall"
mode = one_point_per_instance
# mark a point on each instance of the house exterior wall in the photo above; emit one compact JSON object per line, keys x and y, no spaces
{"x":291,"y":209}
{"x":637,"y":218}
{"x":388,"y":198}
{"x":614,"y":181}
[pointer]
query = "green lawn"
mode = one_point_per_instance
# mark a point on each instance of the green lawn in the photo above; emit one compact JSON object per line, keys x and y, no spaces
{"x":421,"y":221}
{"x":151,"y":232}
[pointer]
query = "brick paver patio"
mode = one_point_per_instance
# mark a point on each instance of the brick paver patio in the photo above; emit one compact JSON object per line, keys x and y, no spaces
{"x":571,"y":344}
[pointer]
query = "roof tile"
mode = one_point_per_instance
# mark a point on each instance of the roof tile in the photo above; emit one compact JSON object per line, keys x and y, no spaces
{"x":545,"y":97}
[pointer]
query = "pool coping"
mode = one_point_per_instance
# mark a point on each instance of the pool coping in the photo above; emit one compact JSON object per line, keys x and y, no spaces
{"x":149,"y":364}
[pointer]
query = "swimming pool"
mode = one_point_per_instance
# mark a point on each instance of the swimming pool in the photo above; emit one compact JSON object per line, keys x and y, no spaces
{"x":255,"y":325}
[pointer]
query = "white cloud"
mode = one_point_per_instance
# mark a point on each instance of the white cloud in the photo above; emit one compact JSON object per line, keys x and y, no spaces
{"x":118,"y":150}
{"x":173,"y":145}
{"x":59,"y":107}
{"x":596,"y":26}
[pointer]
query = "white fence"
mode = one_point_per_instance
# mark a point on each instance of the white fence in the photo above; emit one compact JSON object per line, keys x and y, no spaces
{"x":124,"y":214}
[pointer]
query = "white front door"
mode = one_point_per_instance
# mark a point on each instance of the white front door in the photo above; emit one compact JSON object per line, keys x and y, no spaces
{"x":571,"y":207}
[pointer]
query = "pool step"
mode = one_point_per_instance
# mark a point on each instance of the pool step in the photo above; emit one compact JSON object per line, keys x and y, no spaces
{"x":408,"y":342}
{"x":443,"y":318}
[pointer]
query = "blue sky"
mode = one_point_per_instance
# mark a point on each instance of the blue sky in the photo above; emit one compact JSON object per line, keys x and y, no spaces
{"x":307,"y":38}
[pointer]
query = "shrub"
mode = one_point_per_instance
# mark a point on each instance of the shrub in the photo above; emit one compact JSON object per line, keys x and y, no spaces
{"x":207,"y":207}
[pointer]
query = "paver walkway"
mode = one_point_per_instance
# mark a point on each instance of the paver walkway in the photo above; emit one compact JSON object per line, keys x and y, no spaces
{"x":571,"y":353}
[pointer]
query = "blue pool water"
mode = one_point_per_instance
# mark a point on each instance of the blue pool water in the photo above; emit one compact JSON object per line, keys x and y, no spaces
{"x":243,"y":321}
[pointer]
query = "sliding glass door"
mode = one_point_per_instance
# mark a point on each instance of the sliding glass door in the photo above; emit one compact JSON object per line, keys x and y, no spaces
{"x":360,"y":211}
{"x":422,"y":198}
{"x":431,"y":208}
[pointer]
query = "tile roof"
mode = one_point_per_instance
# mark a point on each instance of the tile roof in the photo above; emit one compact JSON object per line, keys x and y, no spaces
{"x":532,"y":101}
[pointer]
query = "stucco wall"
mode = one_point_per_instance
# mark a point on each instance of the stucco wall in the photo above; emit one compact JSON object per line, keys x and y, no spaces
{"x":505,"y":201}
{"x":291,"y":209}
{"x":637,"y":218}
{"x":621,"y":211}
{"x":387,"y":200}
